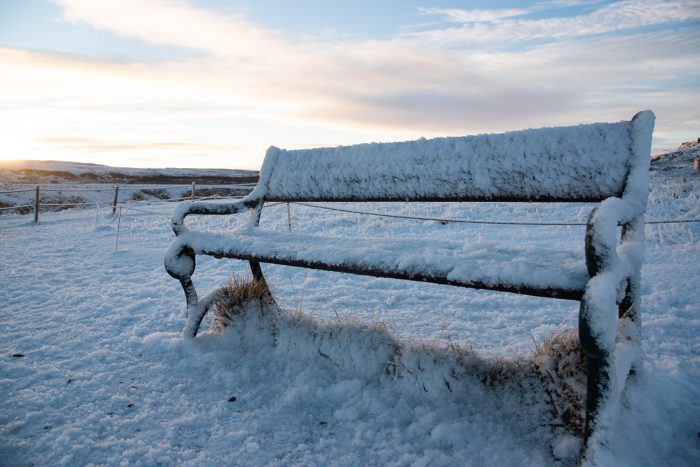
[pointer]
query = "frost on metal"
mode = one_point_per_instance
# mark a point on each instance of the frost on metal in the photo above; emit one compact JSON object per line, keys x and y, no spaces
{"x":611,"y":345}
{"x":585,"y":161}
{"x":606,"y":162}
{"x":456,"y":263}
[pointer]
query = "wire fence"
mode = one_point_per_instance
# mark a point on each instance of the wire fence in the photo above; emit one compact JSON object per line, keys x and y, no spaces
{"x":13,"y":208}
{"x":28,"y":190}
{"x":131,"y":203}
{"x":136,"y":187}
{"x":116,"y":203}
{"x":58,"y":202}
{"x":134,"y":209}
{"x":106,"y":188}
{"x":69,"y":205}
{"x":469,"y":221}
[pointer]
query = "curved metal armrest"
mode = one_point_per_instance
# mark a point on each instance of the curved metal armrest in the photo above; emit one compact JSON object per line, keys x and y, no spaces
{"x":612,"y":293}
{"x":177,"y":221}
{"x":601,"y":232}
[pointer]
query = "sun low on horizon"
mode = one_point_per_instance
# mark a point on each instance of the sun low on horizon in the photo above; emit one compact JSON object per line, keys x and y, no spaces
{"x":203,"y":83}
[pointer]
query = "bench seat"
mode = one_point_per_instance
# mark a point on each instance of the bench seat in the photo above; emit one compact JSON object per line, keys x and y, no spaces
{"x":604,"y":163}
{"x":528,"y":270}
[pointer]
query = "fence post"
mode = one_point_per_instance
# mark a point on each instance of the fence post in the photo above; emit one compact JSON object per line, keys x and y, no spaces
{"x":119,"y":224}
{"x":696,"y":165}
{"x":116,"y":199}
{"x":193,"y":187}
{"x":36,"y":205}
{"x":289,"y":218}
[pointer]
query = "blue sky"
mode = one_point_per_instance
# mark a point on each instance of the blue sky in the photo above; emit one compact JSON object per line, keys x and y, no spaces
{"x":204,"y":83}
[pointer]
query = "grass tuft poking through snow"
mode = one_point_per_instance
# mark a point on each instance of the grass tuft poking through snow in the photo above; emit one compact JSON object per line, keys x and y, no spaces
{"x":238,"y":295}
{"x":547,"y":389}
{"x":561,"y":366}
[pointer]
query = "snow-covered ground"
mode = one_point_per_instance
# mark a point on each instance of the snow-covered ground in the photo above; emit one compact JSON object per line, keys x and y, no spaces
{"x":92,"y":370}
{"x":19,"y":171}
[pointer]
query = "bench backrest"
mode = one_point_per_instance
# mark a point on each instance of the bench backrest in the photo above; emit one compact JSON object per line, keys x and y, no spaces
{"x":578,"y":163}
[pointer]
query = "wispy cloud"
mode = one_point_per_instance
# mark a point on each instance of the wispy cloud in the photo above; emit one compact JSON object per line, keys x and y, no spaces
{"x":167,"y":22}
{"x":566,"y":3}
{"x":248,"y":87}
{"x":453,"y":15}
{"x":74,"y":143}
{"x":502,"y":28}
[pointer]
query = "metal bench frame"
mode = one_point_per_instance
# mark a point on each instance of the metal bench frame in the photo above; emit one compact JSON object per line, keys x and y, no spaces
{"x":603,"y":261}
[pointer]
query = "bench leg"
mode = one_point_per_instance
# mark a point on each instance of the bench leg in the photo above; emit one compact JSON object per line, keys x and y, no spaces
{"x":255,"y":268}
{"x":191,"y":328}
{"x":630,"y":325}
{"x":260,"y":278}
{"x":599,"y":368}
{"x":629,"y":308}
{"x":180,"y":263}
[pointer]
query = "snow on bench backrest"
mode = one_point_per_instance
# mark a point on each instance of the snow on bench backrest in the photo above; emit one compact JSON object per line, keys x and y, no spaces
{"x":585,"y":162}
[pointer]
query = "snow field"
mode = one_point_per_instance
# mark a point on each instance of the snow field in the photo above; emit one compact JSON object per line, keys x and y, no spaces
{"x":105,"y":378}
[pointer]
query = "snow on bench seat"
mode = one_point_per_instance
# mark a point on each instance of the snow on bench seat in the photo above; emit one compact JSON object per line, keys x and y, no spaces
{"x":484,"y":265}
{"x":601,"y":162}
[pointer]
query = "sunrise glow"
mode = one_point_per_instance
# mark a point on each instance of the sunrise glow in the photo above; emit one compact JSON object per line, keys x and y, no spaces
{"x":213,"y":84}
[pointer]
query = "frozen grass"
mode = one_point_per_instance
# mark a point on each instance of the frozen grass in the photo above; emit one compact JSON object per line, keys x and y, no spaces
{"x":553,"y":374}
{"x":104,"y":377}
{"x":234,"y":298}
{"x":157,"y":193}
{"x":561,"y":365}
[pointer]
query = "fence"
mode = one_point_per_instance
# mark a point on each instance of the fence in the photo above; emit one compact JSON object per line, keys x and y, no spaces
{"x":37,"y":203}
{"x":115,"y":205}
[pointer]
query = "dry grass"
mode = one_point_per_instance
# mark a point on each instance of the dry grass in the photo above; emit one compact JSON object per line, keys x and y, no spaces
{"x":556,"y":367}
{"x":66,"y":202}
{"x":234,"y":297}
{"x":158,"y":193}
{"x":561,"y":366}
{"x":498,"y":371}
{"x":4,"y":205}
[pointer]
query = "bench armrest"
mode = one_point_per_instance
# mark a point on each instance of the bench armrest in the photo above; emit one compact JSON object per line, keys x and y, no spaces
{"x":177,"y":221}
{"x":601,"y":232}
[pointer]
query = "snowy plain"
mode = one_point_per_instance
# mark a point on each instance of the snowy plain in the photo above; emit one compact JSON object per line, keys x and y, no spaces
{"x":93,"y":371}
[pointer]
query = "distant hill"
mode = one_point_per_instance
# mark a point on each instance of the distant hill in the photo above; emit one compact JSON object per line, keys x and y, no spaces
{"x":40,"y":172}
{"x":27,"y":171}
{"x":680,"y":160}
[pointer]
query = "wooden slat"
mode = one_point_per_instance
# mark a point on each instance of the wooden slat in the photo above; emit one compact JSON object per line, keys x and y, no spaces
{"x":358,"y":269}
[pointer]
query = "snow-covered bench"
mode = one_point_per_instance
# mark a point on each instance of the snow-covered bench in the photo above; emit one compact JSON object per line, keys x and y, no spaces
{"x":602,"y":162}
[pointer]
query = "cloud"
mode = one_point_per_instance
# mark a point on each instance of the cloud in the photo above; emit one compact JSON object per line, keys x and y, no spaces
{"x":473,"y":16}
{"x":565,"y":3}
{"x":249,"y":87}
{"x":501,"y":28}
{"x":95,"y":145}
{"x":174,"y":23}
{"x":410,"y":82}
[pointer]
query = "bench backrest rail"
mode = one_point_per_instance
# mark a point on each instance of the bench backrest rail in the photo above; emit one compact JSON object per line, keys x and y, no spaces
{"x":578,"y":163}
{"x":607,"y":162}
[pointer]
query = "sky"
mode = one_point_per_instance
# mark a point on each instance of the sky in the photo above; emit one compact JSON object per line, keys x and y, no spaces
{"x":205,"y":83}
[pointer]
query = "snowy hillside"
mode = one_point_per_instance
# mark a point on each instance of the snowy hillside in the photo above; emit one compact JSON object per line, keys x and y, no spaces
{"x":92,"y":369}
{"x":66,"y":185}
{"x":679,"y":161}
{"x":35,"y":172}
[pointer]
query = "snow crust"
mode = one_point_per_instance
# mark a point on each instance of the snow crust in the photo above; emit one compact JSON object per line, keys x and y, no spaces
{"x":585,"y":161}
{"x":106,"y":379}
{"x":604,"y":161}
{"x":88,"y":375}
